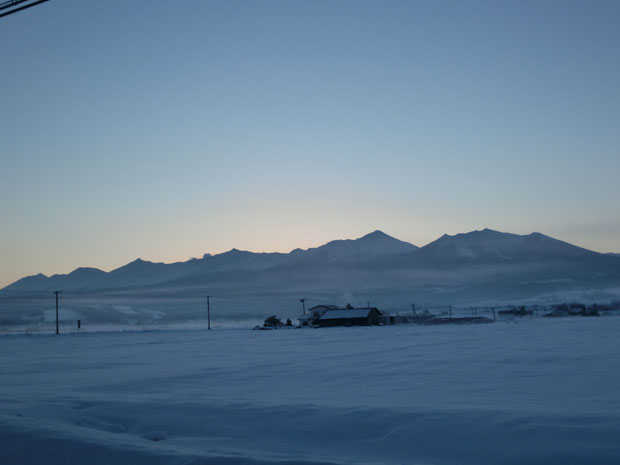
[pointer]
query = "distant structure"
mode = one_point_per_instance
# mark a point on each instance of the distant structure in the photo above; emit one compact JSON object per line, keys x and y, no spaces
{"x":314,"y":313}
{"x":332,"y":315}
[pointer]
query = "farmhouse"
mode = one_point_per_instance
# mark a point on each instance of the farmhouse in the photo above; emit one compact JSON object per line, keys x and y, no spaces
{"x":350,"y":317}
{"x":331,"y":315}
{"x":314,"y":314}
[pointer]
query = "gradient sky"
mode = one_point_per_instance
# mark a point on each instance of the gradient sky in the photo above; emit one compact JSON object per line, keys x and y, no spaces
{"x":164,"y":130}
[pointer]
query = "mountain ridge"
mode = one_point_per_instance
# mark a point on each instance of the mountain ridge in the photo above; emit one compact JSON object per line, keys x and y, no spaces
{"x":139,"y":271}
{"x":375,"y":259}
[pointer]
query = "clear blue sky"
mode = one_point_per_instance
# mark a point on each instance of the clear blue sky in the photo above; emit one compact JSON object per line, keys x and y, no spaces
{"x":164,"y":130}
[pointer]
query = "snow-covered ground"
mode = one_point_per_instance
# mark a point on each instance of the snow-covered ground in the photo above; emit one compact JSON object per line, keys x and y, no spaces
{"x":539,"y":391}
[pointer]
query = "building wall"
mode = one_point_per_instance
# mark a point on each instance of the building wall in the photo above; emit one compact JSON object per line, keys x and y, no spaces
{"x":345,"y":322}
{"x":371,"y":319}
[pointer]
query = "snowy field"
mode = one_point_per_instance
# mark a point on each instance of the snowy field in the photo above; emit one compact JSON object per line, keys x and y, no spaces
{"x":539,"y":391}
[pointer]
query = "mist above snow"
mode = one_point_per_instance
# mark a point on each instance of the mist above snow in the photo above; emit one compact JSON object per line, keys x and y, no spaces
{"x":477,"y":268}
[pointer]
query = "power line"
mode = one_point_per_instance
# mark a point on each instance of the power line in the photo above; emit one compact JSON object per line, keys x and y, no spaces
{"x":14,"y":3}
{"x":10,"y":3}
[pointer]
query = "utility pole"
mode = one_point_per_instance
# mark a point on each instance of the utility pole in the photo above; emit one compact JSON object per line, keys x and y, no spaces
{"x":368,"y":304}
{"x":414,"y":314}
{"x":303,"y":304}
{"x":208,"y":312}
{"x":450,"y":311}
{"x":57,"y":292}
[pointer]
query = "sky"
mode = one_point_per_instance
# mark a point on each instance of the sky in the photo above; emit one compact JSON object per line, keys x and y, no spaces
{"x":167,"y":130}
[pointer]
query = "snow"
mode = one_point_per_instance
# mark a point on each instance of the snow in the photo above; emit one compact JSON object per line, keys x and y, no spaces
{"x":493,"y":245}
{"x":533,"y":391}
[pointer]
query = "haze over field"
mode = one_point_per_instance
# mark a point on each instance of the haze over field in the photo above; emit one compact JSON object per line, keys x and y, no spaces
{"x":481,"y":268}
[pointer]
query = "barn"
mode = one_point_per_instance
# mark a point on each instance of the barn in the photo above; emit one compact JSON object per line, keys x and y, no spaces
{"x":349,"y":317}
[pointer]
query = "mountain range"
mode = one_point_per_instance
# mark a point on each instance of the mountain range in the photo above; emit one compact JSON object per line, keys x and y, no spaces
{"x":475,"y":266}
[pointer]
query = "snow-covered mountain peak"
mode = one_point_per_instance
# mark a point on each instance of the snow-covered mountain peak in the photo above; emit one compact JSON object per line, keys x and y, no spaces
{"x":372,"y":245}
{"x":86,"y":271}
{"x":234,"y":251}
{"x":489,"y":245}
{"x":480,"y":244}
{"x":372,"y":253}
{"x":376,"y":236}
